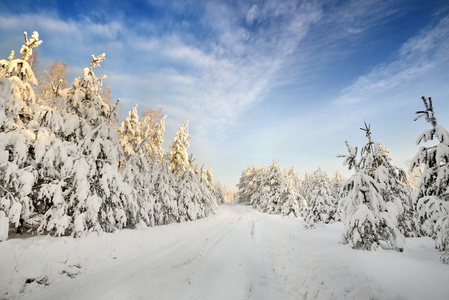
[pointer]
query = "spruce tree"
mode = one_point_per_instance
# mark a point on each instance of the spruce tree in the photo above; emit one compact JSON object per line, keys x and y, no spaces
{"x":189,"y":197}
{"x":18,"y":133}
{"x":165,"y":195}
{"x":432,"y":197}
{"x":130,"y":134}
{"x":138,"y":174}
{"x":177,"y":154}
{"x":291,"y":200}
{"x":245,"y":185}
{"x":154,"y":144}
{"x":369,"y":209}
{"x":257,"y":184}
{"x":99,"y":199}
{"x":323,"y":206}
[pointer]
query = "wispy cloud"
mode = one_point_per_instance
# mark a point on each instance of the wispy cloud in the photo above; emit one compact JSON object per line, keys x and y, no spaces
{"x":212,"y":77}
{"x":419,"y":54}
{"x":220,"y":63}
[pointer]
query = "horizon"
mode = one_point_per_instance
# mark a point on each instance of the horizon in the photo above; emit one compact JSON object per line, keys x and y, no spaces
{"x":257,"y":80}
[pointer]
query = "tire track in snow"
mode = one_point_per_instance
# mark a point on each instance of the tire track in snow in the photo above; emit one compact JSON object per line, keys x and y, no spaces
{"x":237,"y":254}
{"x":200,"y":266}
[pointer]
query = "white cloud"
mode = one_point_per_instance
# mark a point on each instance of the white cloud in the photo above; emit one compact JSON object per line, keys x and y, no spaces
{"x":418,"y":55}
{"x":251,"y":15}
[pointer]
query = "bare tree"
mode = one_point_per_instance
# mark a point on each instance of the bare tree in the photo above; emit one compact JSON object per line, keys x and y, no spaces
{"x":152,"y":117}
{"x":53,"y":80}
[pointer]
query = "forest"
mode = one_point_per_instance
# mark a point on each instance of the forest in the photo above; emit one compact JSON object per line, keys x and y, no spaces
{"x":379,"y":203}
{"x":69,"y":167}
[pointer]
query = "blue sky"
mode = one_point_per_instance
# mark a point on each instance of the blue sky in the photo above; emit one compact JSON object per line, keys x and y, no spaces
{"x":258,"y":80}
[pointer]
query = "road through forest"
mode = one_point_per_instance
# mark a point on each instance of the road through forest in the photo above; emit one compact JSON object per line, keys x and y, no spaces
{"x":236,"y":254}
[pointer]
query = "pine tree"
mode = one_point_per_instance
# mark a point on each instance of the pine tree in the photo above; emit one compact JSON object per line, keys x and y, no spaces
{"x":99,"y":199}
{"x":130,"y":133}
{"x":177,"y":154}
{"x":207,"y":180}
{"x":165,"y":195}
{"x":270,"y":190}
{"x":305,"y":190}
{"x":256,"y":185}
{"x":138,"y":175}
{"x":336,"y":183}
{"x":369,"y":209}
{"x":322,"y":206}
{"x":55,"y":149}
{"x":189,"y":197}
{"x":153,"y":128}
{"x":291,"y":200}
{"x":18,"y":132}
{"x":432,"y":197}
{"x":154,"y":145}
{"x":245,"y":185}
{"x":208,"y":199}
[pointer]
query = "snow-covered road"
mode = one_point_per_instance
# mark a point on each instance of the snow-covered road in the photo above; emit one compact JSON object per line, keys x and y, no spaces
{"x":236,"y":254}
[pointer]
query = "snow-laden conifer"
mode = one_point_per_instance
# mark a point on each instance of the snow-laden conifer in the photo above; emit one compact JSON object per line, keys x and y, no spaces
{"x":369,"y":209}
{"x":336,"y":183}
{"x":189,"y":197}
{"x":18,"y":132}
{"x":129,"y":132}
{"x":246,"y":185}
{"x":270,"y":190}
{"x":305,"y":190}
{"x":177,"y":154}
{"x":154,"y":144}
{"x":322,"y":206}
{"x":256,"y":185}
{"x":99,"y":199}
{"x":138,"y":175}
{"x":432,"y":197}
{"x":291,"y":200}
{"x":165,"y":195}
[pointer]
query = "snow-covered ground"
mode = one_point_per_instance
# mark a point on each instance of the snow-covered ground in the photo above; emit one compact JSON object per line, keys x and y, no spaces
{"x":236,"y":254}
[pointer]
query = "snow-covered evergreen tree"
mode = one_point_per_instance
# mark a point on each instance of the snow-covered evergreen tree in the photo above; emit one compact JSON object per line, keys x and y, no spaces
{"x":322,"y":206}
{"x":432,"y":197}
{"x":305,"y":190}
{"x":189,"y":197}
{"x":208,"y":197}
{"x":165,"y":196}
{"x":130,"y":133}
{"x":370,"y":211}
{"x":215,"y":191}
{"x":291,"y":200}
{"x":256,"y":185}
{"x":394,"y":188}
{"x":336,"y":183}
{"x":154,"y":144}
{"x":270,"y":190}
{"x":55,"y":150}
{"x":18,"y":132}
{"x":99,"y":199}
{"x":245,"y":185}
{"x":138,"y":175}
{"x":177,"y":154}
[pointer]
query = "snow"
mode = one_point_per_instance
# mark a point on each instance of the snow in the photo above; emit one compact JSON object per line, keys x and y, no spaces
{"x":4,"y":226}
{"x":236,"y":254}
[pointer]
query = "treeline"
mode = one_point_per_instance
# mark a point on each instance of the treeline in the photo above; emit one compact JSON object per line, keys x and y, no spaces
{"x":69,"y":167}
{"x":276,"y":191}
{"x":378,"y":203}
